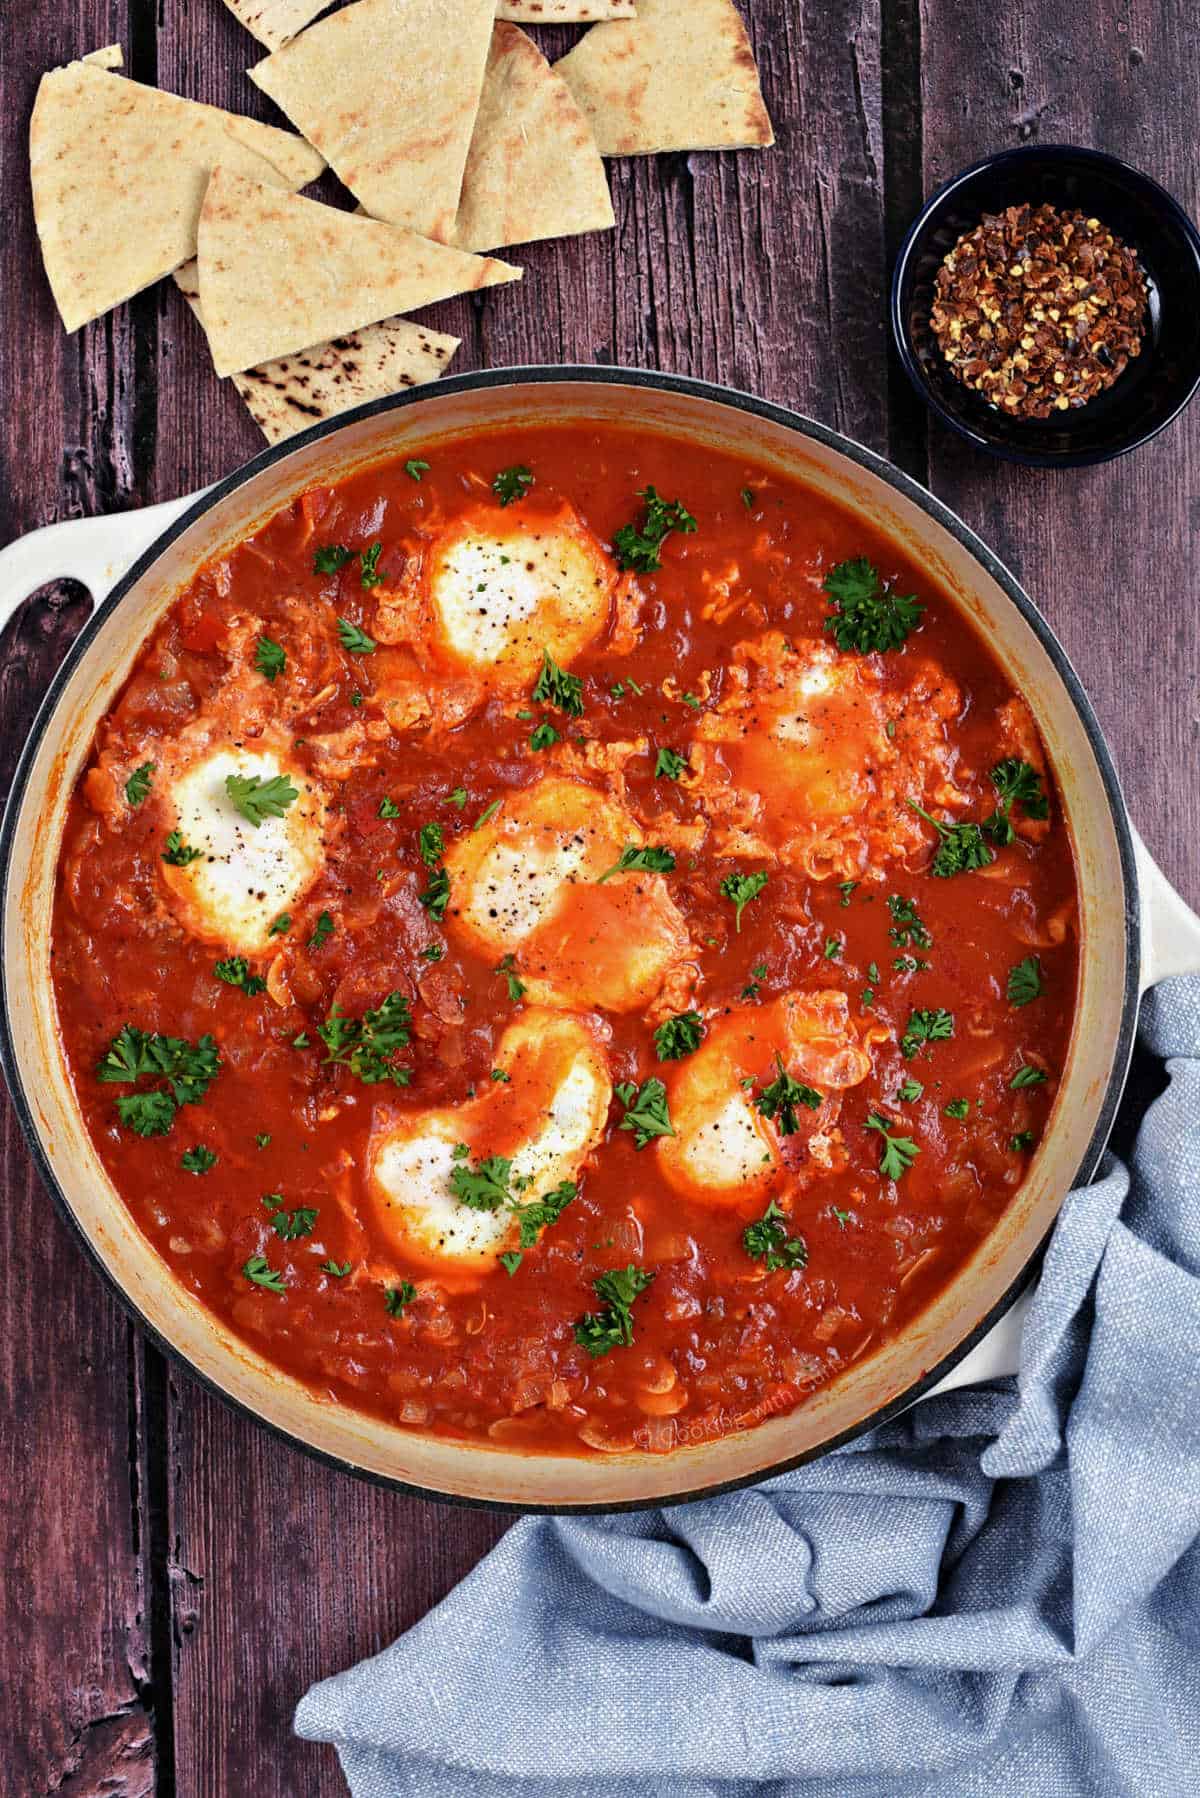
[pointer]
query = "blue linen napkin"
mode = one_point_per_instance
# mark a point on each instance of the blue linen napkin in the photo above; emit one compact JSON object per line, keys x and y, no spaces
{"x":997,"y":1592}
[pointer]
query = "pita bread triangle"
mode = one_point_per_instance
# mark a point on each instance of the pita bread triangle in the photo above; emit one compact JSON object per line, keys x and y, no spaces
{"x":388,"y":91}
{"x":278,"y":273}
{"x":285,"y":396}
{"x":119,"y":173}
{"x":275,"y":22}
{"x":681,"y":76}
{"x":561,"y":12}
{"x":533,"y":170}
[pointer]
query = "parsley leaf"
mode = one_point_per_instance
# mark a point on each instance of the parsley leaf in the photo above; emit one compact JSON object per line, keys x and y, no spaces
{"x":512,"y":483}
{"x":601,"y":1331}
{"x":281,"y":925}
{"x":1018,"y":783}
{"x":138,"y":784}
{"x":554,"y":686}
{"x":332,"y":557}
{"x":436,"y":895}
{"x":846,"y":888}
{"x":431,"y":842}
{"x":926,"y":1027}
{"x":259,"y":1270}
{"x":780,"y":1099}
{"x":957,"y":1108}
{"x":414,"y":468}
{"x":484,"y":1187}
{"x":354,"y":641}
{"x":768,"y":1241}
{"x":869,"y":616}
{"x":898,"y":1152}
{"x":510,"y":1261}
{"x":263,"y":1139}
{"x":544,"y":736}
{"x":650,"y":859}
{"x":539,"y":1214}
{"x":235,"y":971}
{"x":289,"y":1226}
{"x":370,"y":575}
{"x":741,"y":889}
{"x":1023,"y":1140}
{"x":638,"y":546}
{"x":178,"y":853}
{"x":908,"y":1091}
{"x":833,"y":948}
{"x":388,"y":808}
{"x":188,"y":1069}
{"x":396,"y":1298}
{"x":331,"y":1267}
{"x":368,"y":1045}
{"x":269,"y":658}
{"x":1027,"y":1076}
{"x":458,"y":798}
{"x":1024,"y":981}
{"x":516,"y":987}
{"x":257,"y":798}
{"x":198,"y":1160}
{"x":646,"y":1111}
{"x":679,"y":1036}
{"x":962,"y":849}
{"x":322,"y":931}
{"x":670,"y":765}
{"x":489,"y":811}
{"x":907,"y":931}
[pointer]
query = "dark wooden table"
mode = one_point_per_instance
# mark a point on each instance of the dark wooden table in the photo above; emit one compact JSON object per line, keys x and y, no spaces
{"x":172,"y":1580}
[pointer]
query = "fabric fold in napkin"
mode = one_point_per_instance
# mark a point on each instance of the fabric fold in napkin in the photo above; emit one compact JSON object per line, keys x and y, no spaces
{"x":997,"y":1592}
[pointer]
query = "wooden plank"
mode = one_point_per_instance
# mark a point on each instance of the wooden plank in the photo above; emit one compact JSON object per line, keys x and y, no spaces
{"x":1107,"y":553}
{"x":76,"y":1700}
{"x":738,"y":268}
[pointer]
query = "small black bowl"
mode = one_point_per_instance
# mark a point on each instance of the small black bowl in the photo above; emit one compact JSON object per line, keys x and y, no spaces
{"x":1154,"y":387}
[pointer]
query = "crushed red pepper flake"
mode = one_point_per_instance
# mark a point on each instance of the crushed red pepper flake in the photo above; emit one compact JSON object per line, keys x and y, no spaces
{"x":1039,"y":310}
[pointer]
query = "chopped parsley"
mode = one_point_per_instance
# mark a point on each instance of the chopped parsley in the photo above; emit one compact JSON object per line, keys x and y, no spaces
{"x":679,"y":1036}
{"x":516,"y":987}
{"x":414,"y":468}
{"x":489,"y":811}
{"x":263,"y":1139}
{"x":484,"y":1187}
{"x":269,"y":658}
{"x":370,"y":576}
{"x":512,"y":483}
{"x":868,"y":615}
{"x":758,"y":972}
{"x":433,"y":952}
{"x":646,"y":1111}
{"x":748,"y":499}
{"x":368,"y":1045}
{"x":138,"y":784}
{"x":1024,"y":982}
{"x":692,"y":699}
{"x":198,"y":1160}
{"x":554,"y":686}
{"x":281,"y":925}
{"x":436,"y":895}
{"x":258,"y":798}
{"x":333,"y":1268}
{"x":740,"y":889}
{"x":1023,"y":1140}
{"x":768,"y":1241}
{"x":458,"y":798}
{"x":962,"y":848}
{"x":601,"y":1331}
{"x":431,"y":843}
{"x":650,"y":859}
{"x":957,"y":1108}
{"x":259,"y":1270}
{"x":178,"y":853}
{"x":332,"y":557}
{"x":780,"y":1099}
{"x":354,"y":641}
{"x":544,"y":735}
{"x":235,"y":971}
{"x":926,"y":1027}
{"x":898,"y":1152}
{"x":909,"y":964}
{"x":388,"y":808}
{"x":322,"y":931}
{"x":500,"y":1075}
{"x":511,"y":1260}
{"x":396,"y":1298}
{"x":1027,"y":1076}
{"x":907,"y":931}
{"x":637,"y":546}
{"x":187,"y":1068}
{"x":846,"y":888}
{"x":908,"y":1090}
{"x":290,"y":1226}
{"x":833,"y":948}
{"x":539,"y":1214}
{"x":1017,"y":783}
{"x":670,"y":765}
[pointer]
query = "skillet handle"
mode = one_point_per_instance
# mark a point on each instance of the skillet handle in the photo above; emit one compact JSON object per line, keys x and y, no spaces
{"x":96,"y":551}
{"x":1170,"y":928}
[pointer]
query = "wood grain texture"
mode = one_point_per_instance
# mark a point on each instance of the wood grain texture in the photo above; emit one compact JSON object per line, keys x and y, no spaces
{"x":173,"y":1578}
{"x":1107,"y":553}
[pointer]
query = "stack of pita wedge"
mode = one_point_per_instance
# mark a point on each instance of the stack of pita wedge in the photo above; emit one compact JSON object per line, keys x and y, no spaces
{"x":441,"y":117}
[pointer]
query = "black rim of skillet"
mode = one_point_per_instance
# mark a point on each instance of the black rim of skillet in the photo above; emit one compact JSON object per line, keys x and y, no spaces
{"x":1156,"y":386}
{"x":535,"y":376}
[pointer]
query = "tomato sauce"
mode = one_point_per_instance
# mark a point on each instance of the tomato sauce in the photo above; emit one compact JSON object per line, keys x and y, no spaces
{"x":794,"y":757}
